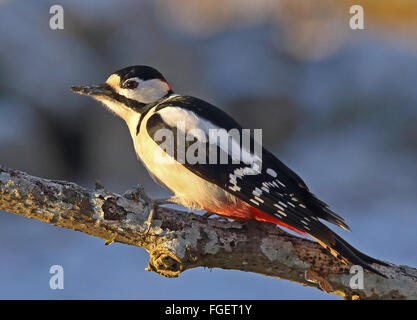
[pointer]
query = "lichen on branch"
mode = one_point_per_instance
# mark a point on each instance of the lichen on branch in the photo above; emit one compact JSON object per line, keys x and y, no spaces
{"x":178,"y":241}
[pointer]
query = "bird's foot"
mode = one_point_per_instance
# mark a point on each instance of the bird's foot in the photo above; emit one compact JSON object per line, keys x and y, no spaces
{"x":137,"y":193}
{"x":151,"y":209}
{"x":98,"y":185}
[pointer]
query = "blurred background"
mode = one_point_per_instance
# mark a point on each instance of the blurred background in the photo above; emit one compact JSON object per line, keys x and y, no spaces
{"x":338,"y":106}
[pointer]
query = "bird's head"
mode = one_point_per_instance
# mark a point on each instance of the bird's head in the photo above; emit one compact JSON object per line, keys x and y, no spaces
{"x":128,"y":90}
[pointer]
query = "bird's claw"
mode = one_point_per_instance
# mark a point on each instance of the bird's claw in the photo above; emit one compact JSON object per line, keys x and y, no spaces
{"x":98,"y":185}
{"x":137,"y":193}
{"x":151,"y":209}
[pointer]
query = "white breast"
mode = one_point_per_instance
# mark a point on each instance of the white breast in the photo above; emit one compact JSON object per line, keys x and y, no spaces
{"x":191,"y":190}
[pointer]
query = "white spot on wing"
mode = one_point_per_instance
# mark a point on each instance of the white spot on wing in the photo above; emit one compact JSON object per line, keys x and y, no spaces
{"x":278,"y":206}
{"x":271,"y":172}
{"x":256,"y":193}
{"x":265,"y":189}
{"x":282,"y":212}
{"x":282,"y":204}
{"x":259,"y":199}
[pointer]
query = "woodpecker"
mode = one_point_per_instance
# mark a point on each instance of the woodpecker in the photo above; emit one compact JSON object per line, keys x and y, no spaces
{"x":258,"y":187}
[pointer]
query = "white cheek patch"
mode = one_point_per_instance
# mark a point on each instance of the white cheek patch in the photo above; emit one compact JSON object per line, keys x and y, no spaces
{"x":147,"y":91}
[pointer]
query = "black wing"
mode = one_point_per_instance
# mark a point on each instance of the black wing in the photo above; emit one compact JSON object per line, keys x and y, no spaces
{"x":275,"y":180}
{"x":269,"y":185}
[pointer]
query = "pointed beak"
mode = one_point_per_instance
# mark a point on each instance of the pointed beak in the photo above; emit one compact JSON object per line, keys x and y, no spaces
{"x":104,"y":92}
{"x":98,"y":90}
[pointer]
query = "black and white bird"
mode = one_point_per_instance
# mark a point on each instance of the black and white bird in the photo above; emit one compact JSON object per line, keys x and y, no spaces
{"x":247,"y":186}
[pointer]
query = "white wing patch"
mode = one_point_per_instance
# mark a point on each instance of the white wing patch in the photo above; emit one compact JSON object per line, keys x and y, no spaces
{"x":284,"y":203}
{"x":230,"y":142}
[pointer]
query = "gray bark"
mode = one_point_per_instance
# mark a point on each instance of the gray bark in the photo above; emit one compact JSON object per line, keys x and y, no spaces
{"x":179,"y":241}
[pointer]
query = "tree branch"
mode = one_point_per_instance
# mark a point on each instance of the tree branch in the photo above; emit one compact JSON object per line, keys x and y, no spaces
{"x":179,"y":241}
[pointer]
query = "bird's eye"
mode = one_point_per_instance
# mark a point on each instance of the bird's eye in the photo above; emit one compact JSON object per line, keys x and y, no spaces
{"x":130,"y":84}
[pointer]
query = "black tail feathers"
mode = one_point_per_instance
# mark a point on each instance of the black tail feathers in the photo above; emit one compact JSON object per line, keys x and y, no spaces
{"x":322,"y":211}
{"x":343,"y":251}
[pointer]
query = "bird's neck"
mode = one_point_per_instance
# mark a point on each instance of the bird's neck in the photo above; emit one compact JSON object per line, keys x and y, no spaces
{"x":134,"y":119}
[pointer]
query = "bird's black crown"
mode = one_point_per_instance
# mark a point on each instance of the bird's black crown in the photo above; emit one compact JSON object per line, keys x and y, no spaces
{"x":141,"y":72}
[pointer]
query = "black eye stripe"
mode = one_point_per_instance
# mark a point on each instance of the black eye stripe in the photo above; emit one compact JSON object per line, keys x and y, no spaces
{"x":130,"y":103}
